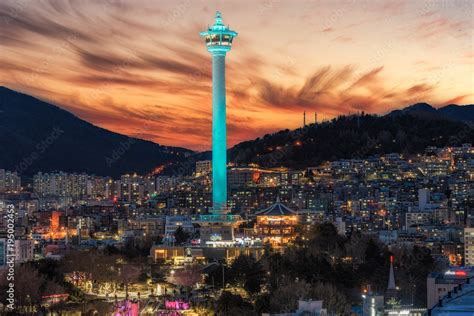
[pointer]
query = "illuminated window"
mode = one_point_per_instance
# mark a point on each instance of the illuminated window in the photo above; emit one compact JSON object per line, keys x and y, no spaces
{"x":215,"y":39}
{"x":226,"y":40}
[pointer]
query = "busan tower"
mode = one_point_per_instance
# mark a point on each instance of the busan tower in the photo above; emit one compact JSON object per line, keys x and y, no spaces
{"x":219,"y":41}
{"x":219,"y":224}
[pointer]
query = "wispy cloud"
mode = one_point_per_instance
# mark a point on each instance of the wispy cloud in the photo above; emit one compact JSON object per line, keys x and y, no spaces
{"x":121,"y":64}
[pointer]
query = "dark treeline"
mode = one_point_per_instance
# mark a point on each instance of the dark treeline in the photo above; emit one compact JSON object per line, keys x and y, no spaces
{"x":354,"y":136}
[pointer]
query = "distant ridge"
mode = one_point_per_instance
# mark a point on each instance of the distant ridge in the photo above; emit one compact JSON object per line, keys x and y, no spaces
{"x":464,"y":113}
{"x":407,"y":131}
{"x":38,"y":136}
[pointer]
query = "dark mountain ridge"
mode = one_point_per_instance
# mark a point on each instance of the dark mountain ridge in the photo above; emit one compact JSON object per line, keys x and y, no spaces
{"x":38,"y":136}
{"x":464,"y":113}
{"x":407,"y":131}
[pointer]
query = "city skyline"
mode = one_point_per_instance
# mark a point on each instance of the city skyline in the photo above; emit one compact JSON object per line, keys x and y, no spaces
{"x":367,"y":212}
{"x":143,"y":75}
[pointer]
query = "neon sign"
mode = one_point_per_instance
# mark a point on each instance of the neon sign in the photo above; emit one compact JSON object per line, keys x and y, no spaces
{"x":458,"y":273}
{"x":177,"y":305}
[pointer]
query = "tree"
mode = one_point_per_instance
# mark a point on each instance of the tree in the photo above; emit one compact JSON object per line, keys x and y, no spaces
{"x":285,"y":298}
{"x":181,"y":236}
{"x":214,"y":275}
{"x":275,"y":265}
{"x":324,"y":239}
{"x":356,"y":248}
{"x":29,"y":286}
{"x":374,"y":270}
{"x":100,"y":268}
{"x":143,"y":277}
{"x":187,"y":276}
{"x":129,"y":273}
{"x":334,"y":300}
{"x":29,"y":283}
{"x":229,"y":304}
{"x":246,"y":272}
{"x":412,"y":267}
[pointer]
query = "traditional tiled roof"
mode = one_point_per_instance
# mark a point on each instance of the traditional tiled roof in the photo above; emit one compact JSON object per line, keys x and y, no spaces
{"x":276,"y":209}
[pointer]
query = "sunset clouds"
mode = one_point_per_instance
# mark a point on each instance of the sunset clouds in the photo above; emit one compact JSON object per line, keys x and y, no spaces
{"x":140,"y":67}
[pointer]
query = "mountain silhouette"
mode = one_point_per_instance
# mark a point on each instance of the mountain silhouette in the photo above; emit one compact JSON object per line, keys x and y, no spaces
{"x":38,"y":136}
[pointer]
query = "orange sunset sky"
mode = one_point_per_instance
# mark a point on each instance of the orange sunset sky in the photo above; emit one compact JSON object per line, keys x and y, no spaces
{"x":141,"y":69}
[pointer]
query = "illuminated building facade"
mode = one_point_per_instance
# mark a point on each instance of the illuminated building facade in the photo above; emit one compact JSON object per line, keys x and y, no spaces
{"x":203,"y":167}
{"x":469,"y":246}
{"x":9,"y":181}
{"x":277,"y":224}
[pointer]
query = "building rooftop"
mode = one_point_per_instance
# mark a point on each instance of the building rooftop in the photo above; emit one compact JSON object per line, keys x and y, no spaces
{"x":460,"y":301}
{"x":276,"y":209}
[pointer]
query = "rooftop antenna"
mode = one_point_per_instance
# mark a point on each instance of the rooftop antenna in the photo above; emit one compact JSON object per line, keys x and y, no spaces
{"x":304,"y":118}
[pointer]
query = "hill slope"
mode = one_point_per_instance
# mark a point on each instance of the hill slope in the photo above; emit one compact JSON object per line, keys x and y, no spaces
{"x":463,"y":113}
{"x":37,"y":136}
{"x":353,"y":137}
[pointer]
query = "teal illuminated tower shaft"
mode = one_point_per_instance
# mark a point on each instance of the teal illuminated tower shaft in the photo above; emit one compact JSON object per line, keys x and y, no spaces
{"x":219,"y":134}
{"x":219,"y":39}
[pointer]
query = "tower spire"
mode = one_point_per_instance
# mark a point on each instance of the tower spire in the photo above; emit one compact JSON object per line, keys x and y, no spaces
{"x":218,"y":18}
{"x":391,"y":278}
{"x":391,"y":292}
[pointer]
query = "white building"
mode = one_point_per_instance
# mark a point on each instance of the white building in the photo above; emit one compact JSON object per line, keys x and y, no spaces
{"x":438,"y":285}
{"x":459,"y":301}
{"x":9,"y":181}
{"x":24,"y":250}
{"x":469,"y":246}
{"x":373,"y":305}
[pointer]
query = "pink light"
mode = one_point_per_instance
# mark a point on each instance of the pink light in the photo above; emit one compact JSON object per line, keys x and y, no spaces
{"x":177,"y":305}
{"x":169,"y":313}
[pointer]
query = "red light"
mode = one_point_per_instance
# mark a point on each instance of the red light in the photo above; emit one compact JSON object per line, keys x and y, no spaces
{"x":460,"y":273}
{"x":256,"y":177}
